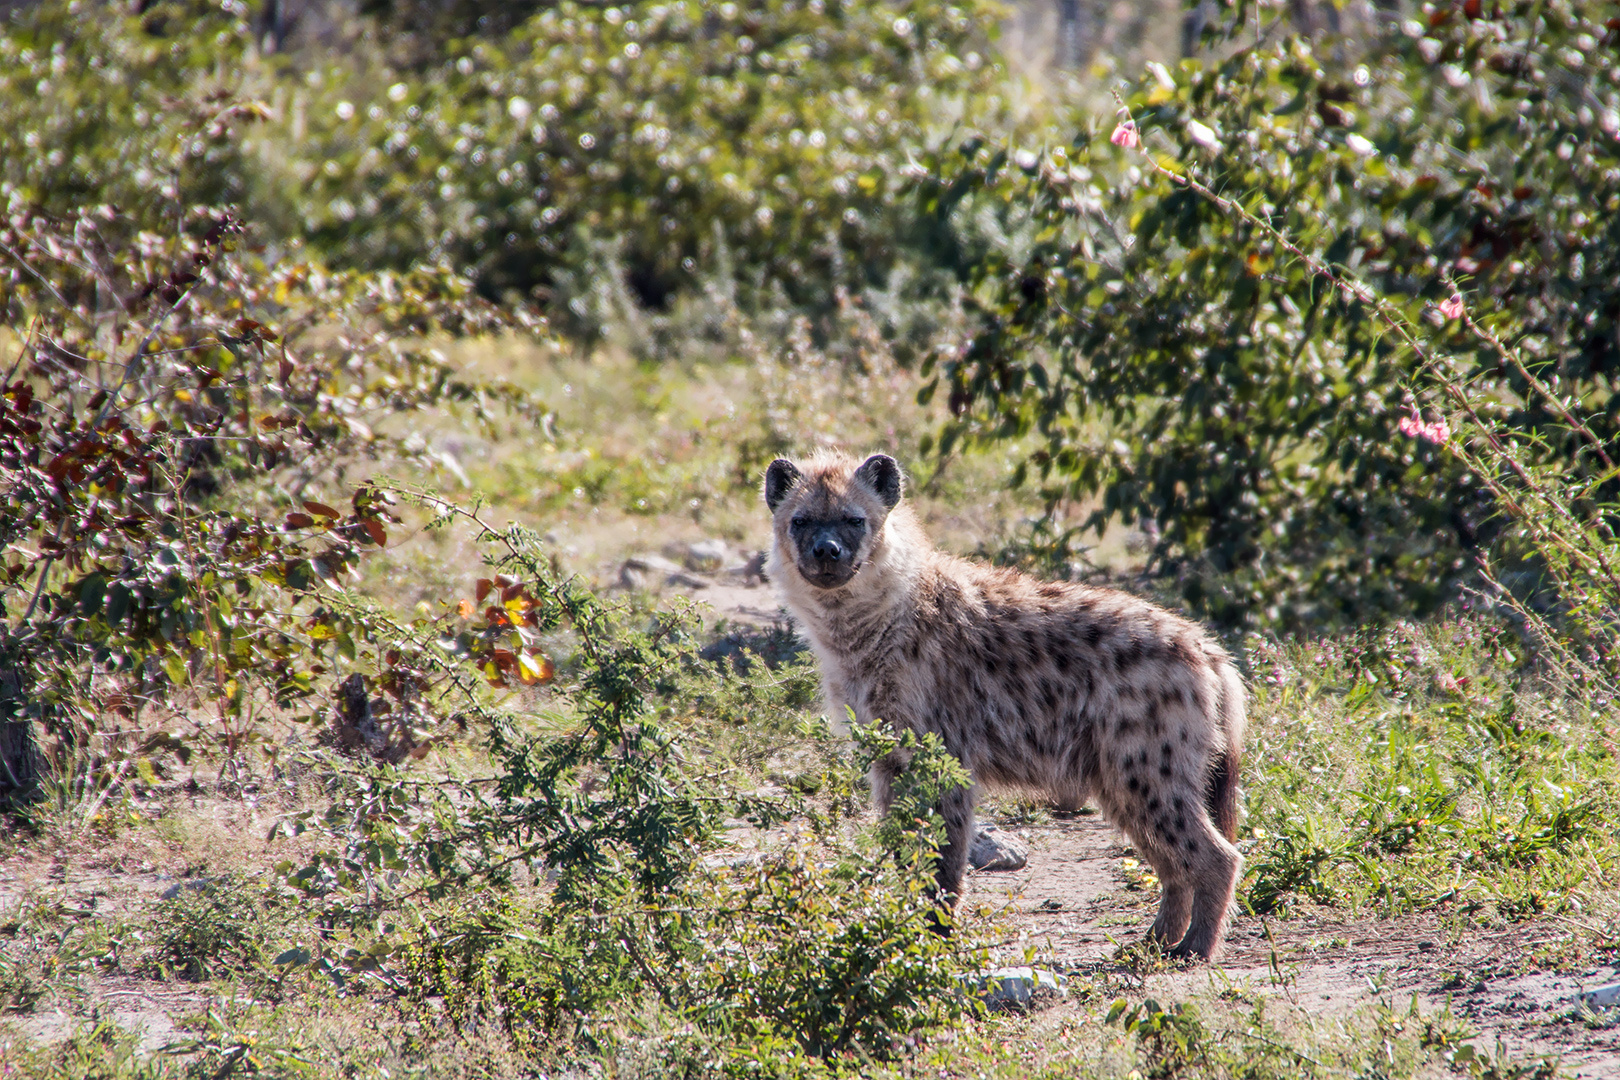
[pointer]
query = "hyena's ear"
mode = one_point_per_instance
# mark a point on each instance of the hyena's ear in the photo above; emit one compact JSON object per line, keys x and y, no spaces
{"x":881,"y":473}
{"x":779,"y":480}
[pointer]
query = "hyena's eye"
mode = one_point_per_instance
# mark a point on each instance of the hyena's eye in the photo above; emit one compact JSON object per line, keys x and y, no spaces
{"x":855,"y":522}
{"x":800,"y":522}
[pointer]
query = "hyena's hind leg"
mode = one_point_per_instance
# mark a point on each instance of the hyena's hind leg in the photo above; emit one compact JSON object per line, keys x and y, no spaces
{"x":1198,"y":869}
{"x":1214,"y":870}
{"x":1175,"y":907}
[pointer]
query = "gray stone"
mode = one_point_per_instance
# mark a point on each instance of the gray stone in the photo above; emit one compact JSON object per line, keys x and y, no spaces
{"x":1020,"y":988}
{"x":199,"y":885}
{"x":1604,"y":997}
{"x":751,"y":571}
{"x":707,"y":556}
{"x":642,"y":571}
{"x":996,"y":850}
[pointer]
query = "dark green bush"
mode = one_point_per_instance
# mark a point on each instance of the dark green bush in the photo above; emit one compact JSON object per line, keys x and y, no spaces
{"x":763,"y":145}
{"x":1176,"y":364}
{"x":769,"y":139}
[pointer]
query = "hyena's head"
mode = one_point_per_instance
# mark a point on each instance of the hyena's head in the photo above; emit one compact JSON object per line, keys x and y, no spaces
{"x":829,"y":512}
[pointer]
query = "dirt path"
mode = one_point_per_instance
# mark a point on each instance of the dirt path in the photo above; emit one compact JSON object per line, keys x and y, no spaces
{"x":1078,"y":904}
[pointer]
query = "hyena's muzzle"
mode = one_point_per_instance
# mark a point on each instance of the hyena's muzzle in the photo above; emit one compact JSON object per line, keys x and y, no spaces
{"x":827,"y":550}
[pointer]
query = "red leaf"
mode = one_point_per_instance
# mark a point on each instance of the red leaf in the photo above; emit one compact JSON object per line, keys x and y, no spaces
{"x":320,"y":509}
{"x":374,"y":529}
{"x":484,"y":585}
{"x":296,"y":520}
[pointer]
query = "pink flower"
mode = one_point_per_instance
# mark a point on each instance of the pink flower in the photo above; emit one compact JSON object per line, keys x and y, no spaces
{"x":1126,"y":135}
{"x":1452,"y":308}
{"x":1413,"y":427}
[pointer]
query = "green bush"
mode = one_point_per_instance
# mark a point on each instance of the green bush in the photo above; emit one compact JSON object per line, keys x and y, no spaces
{"x":764,"y":141}
{"x":1175,"y":363}
{"x":814,"y":954}
{"x":211,"y":927}
{"x":764,"y":147}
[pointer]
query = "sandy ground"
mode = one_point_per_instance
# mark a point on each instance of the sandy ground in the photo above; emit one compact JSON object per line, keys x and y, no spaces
{"x":1077,"y":903}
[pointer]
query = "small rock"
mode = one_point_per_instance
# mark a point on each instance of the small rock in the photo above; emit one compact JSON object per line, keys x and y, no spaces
{"x":751,"y":572}
{"x":202,"y":884}
{"x":640,"y":571}
{"x":1604,"y":997}
{"x":707,"y":556}
{"x":745,"y":861}
{"x":1017,"y":987}
{"x":995,"y":850}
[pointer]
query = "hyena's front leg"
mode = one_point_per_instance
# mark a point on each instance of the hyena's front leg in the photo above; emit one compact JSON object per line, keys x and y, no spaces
{"x":957,"y":810}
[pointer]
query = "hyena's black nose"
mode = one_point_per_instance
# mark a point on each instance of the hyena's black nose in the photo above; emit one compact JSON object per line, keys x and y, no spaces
{"x":827,"y":549}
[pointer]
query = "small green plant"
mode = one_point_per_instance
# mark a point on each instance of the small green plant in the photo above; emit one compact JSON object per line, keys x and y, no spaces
{"x":212,"y":928}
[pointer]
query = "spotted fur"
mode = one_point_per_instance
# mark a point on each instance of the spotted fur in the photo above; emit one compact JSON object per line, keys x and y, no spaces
{"x":1065,"y":690}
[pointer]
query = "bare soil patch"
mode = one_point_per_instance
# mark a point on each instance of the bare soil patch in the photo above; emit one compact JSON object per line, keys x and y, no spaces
{"x":1079,"y":901}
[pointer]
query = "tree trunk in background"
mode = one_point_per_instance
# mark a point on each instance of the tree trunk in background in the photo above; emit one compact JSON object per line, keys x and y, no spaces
{"x":20,"y":758}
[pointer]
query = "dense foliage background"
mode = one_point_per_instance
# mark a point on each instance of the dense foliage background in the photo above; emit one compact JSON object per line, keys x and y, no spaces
{"x":1180,"y":364}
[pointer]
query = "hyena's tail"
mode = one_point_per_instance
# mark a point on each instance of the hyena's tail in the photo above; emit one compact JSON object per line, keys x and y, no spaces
{"x":1221,"y":796}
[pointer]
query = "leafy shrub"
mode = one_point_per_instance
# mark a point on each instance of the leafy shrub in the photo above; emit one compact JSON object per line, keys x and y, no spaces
{"x":764,"y":146}
{"x":1224,"y":371}
{"x":163,"y":449}
{"x":609,"y":807}
{"x":211,"y":927}
{"x":1474,"y":783}
{"x":770,"y":138}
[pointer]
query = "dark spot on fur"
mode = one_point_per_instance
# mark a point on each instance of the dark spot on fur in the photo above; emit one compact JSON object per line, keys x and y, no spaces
{"x":1133,"y":784}
{"x":1153,"y":803}
{"x":1166,"y":749}
{"x":1192,"y":845}
{"x":1091,"y":634}
{"x":1176,"y":802}
{"x":1164,"y":770}
{"x":1183,"y":734}
{"x":1143,"y":757}
{"x":1181,"y":824}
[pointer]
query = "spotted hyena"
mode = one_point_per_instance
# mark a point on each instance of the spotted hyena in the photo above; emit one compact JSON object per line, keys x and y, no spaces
{"x":1061,"y":689}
